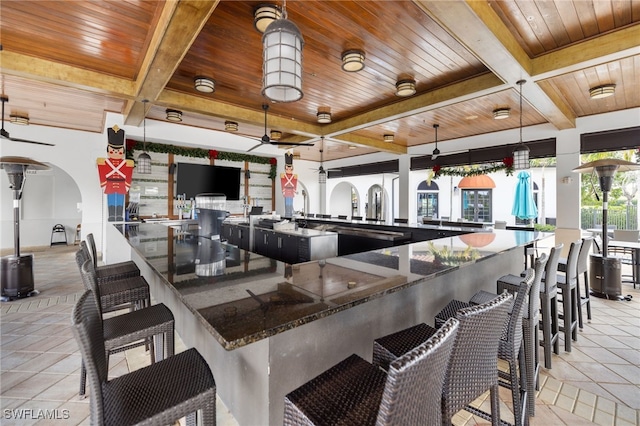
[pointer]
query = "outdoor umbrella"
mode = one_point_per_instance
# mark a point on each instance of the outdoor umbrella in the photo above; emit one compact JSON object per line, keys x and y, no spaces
{"x":523,"y":205}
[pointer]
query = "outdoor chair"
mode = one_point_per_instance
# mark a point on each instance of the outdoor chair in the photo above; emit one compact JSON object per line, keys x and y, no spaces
{"x":114,"y":270}
{"x":567,"y":289}
{"x":472,"y":368}
{"x":400,"y":220}
{"x":355,"y":392}
{"x":118,"y":294}
{"x":132,"y":329}
{"x":627,"y":255}
{"x":159,"y":394}
{"x":582,"y":270}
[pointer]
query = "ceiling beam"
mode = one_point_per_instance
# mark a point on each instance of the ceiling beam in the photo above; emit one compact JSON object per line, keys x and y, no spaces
{"x":179,"y":25}
{"x":65,"y":75}
{"x":477,"y":26}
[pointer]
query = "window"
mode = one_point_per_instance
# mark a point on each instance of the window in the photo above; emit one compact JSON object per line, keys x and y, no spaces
{"x":427,"y":202}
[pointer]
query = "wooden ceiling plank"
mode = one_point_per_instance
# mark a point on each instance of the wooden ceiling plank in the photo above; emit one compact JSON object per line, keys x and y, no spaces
{"x":180,"y":24}
{"x":64,"y":75}
{"x":478,"y":27}
{"x":379,"y":145}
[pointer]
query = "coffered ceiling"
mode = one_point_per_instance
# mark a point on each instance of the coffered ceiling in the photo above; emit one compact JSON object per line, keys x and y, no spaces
{"x":65,"y":64}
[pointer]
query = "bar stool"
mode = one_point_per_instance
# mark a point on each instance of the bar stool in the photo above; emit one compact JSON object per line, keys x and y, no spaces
{"x":358,"y":393}
{"x":568,"y":289}
{"x":472,"y":367}
{"x":582,"y":270}
{"x":549,"y":306}
{"x":529,"y":326}
{"x":110,"y":271}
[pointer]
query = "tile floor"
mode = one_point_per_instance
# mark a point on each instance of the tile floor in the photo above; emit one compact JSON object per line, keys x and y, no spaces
{"x":597,"y":383}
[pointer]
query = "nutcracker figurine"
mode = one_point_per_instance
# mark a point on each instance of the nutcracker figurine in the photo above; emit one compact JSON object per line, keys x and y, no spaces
{"x":289,"y":184}
{"x":115,"y":173}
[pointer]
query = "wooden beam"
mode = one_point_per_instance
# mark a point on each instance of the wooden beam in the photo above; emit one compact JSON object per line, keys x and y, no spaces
{"x":477,"y":26}
{"x":179,"y":25}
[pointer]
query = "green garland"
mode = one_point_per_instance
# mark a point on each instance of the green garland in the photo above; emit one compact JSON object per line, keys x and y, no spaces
{"x":203,"y":153}
{"x":506,"y":165}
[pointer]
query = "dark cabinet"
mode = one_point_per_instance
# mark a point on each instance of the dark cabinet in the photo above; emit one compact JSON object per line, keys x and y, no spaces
{"x":237,"y":235}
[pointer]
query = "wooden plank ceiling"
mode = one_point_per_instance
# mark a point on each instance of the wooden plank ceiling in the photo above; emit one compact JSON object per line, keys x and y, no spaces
{"x":66,"y":66}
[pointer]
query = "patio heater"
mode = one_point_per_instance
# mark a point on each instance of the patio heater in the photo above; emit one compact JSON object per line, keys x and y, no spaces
{"x":605,"y":275}
{"x":16,"y":271}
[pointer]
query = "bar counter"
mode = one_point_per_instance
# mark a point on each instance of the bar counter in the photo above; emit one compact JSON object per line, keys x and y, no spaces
{"x":266,"y":327}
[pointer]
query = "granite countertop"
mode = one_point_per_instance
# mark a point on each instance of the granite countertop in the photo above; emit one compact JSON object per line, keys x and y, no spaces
{"x":255,"y":297}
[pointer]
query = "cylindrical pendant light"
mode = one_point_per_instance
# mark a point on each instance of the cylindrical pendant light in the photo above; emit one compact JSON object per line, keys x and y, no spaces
{"x":282,"y":61}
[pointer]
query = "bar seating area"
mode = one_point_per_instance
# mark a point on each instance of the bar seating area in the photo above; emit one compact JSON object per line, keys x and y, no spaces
{"x":379,"y":354}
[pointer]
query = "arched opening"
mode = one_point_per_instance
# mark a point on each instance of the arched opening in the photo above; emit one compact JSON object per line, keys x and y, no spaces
{"x":427,"y":199}
{"x":344,"y":200}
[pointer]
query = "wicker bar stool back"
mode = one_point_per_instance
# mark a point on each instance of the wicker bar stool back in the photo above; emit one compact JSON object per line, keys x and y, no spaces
{"x":118,"y":270}
{"x":583,"y":271}
{"x":118,"y":294}
{"x":549,"y":306}
{"x":355,"y":392}
{"x":568,"y":288}
{"x":472,"y":369}
{"x":132,"y":329}
{"x":159,"y":394}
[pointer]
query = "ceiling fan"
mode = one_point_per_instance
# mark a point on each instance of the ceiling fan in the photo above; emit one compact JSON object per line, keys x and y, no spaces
{"x":5,"y":135}
{"x":267,"y":140}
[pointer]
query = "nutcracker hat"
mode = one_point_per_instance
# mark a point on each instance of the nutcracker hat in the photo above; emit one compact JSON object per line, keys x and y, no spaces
{"x":116,"y":137}
{"x":288,"y":159}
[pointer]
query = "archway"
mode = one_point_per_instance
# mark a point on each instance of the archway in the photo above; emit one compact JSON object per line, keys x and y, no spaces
{"x":375,"y":206}
{"x":344,"y":200}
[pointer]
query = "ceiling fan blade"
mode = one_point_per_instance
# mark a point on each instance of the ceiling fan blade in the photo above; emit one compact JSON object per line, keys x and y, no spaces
{"x":290,"y":143}
{"x":255,"y":146}
{"x":28,"y":141}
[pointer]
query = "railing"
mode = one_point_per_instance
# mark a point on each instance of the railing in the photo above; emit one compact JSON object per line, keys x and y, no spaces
{"x":621,"y":218}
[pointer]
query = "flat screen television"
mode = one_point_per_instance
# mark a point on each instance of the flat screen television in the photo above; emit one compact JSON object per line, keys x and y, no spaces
{"x":194,"y":179}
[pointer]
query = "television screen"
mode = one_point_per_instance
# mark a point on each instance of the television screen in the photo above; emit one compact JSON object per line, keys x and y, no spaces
{"x":194,"y":179}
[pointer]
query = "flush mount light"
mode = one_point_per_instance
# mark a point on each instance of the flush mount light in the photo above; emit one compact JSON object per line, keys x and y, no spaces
{"x":275,"y":135}
{"x":264,"y":14}
{"x":388,"y":138}
{"x":19,"y":119}
{"x":230,"y":126}
{"x":501,"y":113}
{"x":324,"y":115}
{"x":352,"y":60}
{"x":204,"y":84}
{"x":353,"y":147}
{"x":603,"y":91}
{"x":174,"y":115}
{"x":405,"y":87}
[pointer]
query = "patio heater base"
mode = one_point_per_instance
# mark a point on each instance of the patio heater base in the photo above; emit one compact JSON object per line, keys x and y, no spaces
{"x":605,"y":277}
{"x":16,"y":274}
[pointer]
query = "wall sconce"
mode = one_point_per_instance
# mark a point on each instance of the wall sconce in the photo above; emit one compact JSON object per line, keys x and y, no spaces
{"x":265,"y":14}
{"x":388,"y":138}
{"x":19,"y":119}
{"x":603,"y":91}
{"x":567,"y":180}
{"x":405,"y":87}
{"x":247,"y":174}
{"x":324,"y":115}
{"x":501,"y":113}
{"x":275,"y":135}
{"x":204,"y":84}
{"x":230,"y":126}
{"x":352,"y":60}
{"x":174,"y":115}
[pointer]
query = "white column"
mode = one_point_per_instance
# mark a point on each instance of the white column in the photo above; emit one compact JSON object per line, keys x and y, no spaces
{"x":404,"y":189}
{"x":568,"y":193}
